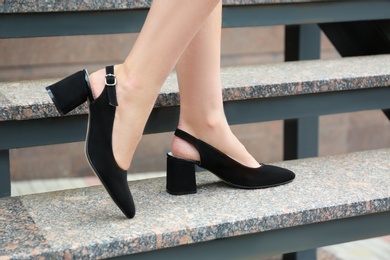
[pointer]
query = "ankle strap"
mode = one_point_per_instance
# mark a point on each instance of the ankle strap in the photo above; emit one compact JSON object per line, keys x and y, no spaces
{"x":110,"y":82}
{"x":186,"y":137}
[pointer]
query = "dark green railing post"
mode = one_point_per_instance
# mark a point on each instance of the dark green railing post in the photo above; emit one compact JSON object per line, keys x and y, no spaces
{"x":5,"y":178}
{"x":301,"y":138}
{"x":302,"y":42}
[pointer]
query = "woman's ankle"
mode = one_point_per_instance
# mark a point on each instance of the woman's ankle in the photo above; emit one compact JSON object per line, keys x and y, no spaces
{"x":183,"y":149}
{"x":97,"y":80}
{"x":202,"y":131}
{"x":219,"y":136}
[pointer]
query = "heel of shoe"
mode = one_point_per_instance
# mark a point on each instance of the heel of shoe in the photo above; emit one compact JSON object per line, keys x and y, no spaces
{"x":180,"y":176}
{"x":70,"y":92}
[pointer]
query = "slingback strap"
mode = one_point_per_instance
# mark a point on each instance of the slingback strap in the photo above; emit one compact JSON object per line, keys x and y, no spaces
{"x":110,"y":82}
{"x":186,"y":137}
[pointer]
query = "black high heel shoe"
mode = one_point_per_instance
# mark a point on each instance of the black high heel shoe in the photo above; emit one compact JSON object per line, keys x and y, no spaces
{"x":71,"y":92}
{"x":181,"y":172}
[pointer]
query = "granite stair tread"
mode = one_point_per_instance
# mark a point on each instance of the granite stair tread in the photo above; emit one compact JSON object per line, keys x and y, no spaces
{"x":89,"y":5}
{"x":25,"y":100}
{"x":374,"y":248}
{"x":82,"y":222}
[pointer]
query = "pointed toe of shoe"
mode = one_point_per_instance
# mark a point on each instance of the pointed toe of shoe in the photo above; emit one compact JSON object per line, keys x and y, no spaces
{"x":277,"y":175}
{"x":100,"y":153}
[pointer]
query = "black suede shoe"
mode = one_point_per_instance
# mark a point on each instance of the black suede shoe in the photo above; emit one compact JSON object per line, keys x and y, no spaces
{"x":71,"y":92}
{"x":181,"y":172}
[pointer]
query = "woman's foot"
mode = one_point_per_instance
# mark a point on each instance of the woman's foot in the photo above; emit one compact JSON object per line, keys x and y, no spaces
{"x":181,"y":179}
{"x":134,"y":107}
{"x":219,"y":136}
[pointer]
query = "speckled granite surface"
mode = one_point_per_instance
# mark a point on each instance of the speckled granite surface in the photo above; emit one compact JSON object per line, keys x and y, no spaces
{"x":24,"y":6}
{"x":85,"y":223}
{"x":29,"y":100}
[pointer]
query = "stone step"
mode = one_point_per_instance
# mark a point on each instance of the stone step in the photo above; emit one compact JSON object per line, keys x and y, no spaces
{"x":85,"y":221}
{"x":368,"y":249}
{"x":26,"y":100}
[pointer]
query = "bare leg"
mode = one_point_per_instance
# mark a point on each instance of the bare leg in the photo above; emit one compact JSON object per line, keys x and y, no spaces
{"x":168,"y":29}
{"x":201,"y":109}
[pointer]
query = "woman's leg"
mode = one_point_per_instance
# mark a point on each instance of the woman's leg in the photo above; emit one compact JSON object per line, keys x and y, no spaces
{"x":201,"y":108}
{"x":168,"y":29}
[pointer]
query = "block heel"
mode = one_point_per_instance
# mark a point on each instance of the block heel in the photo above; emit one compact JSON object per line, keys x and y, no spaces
{"x":70,"y":92}
{"x":180,"y":176}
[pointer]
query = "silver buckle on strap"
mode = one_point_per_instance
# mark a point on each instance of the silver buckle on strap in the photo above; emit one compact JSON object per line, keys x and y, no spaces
{"x":110,"y":77}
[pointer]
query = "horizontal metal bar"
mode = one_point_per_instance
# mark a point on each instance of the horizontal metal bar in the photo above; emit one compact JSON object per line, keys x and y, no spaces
{"x":277,"y":242}
{"x":300,"y":106}
{"x":305,"y":13}
{"x":70,"y":23}
{"x":126,"y":21}
{"x":28,"y":133}
{"x":15,"y":134}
